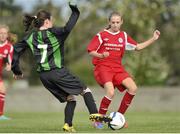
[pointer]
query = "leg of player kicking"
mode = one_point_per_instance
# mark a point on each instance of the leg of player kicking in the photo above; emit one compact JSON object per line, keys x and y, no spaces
{"x":91,"y":105}
{"x":105,"y":102}
{"x":129,"y":95}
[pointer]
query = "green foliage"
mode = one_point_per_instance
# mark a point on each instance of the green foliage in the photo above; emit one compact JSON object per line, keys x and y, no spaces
{"x":147,"y":68}
{"x":141,"y":18}
{"x":84,"y":70}
{"x":9,"y":13}
{"x":170,"y":49}
{"x":154,"y":65}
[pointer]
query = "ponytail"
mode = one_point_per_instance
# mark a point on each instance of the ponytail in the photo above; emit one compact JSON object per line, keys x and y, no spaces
{"x":27,"y":21}
{"x":108,"y":27}
{"x":37,"y":21}
{"x":12,"y":38}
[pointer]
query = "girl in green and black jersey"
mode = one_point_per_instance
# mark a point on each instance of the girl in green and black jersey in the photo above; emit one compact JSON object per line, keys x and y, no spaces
{"x":47,"y":45}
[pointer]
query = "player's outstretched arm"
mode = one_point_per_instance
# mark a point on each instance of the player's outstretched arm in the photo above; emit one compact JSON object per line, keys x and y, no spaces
{"x":73,"y":18}
{"x":70,"y":24}
{"x":143,"y":45}
{"x":19,"y":49}
{"x":73,"y":3}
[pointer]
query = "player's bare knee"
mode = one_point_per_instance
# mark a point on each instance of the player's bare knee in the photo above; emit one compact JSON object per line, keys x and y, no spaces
{"x":71,"y":98}
{"x":85,"y":91}
{"x":2,"y":90}
{"x":133,"y":90}
{"x":110,"y":94}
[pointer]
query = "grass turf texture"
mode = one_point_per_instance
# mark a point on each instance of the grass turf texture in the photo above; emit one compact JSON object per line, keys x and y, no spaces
{"x":139,"y":122}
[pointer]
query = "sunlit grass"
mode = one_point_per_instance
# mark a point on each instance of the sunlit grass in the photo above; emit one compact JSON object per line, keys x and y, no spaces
{"x":139,"y":122}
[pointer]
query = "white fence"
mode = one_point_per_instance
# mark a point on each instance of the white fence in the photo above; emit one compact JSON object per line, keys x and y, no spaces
{"x":38,"y":99}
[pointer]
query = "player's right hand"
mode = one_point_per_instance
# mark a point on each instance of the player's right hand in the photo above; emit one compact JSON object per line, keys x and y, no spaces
{"x":17,"y":77}
{"x":8,"y":67}
{"x":105,"y":54}
{"x":156,"y":34}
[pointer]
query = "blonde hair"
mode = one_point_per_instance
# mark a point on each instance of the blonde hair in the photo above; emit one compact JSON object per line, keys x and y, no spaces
{"x":11,"y":37}
{"x":4,"y":26}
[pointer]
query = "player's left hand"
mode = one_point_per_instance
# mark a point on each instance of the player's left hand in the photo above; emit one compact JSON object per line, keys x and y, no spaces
{"x":16,"y":77}
{"x":156,"y":34}
{"x":73,"y":3}
{"x":8,"y":67}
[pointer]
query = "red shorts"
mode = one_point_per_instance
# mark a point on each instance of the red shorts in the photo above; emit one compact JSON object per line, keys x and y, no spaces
{"x":115,"y":75}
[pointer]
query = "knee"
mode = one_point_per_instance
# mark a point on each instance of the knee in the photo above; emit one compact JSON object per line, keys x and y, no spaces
{"x":71,"y":98}
{"x":86,"y":91}
{"x":110,"y":93}
{"x":2,"y":90}
{"x":133,"y":89}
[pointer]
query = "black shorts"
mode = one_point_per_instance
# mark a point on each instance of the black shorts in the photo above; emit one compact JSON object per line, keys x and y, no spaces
{"x":61,"y":83}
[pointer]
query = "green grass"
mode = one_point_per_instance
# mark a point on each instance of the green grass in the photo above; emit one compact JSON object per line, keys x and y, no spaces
{"x":139,"y":122}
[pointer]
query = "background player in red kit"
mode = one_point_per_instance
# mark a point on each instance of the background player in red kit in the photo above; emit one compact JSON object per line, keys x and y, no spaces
{"x":107,"y":49}
{"x":6,"y":52}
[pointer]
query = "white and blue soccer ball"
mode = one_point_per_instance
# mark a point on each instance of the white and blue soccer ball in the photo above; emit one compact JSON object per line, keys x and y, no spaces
{"x":118,"y":120}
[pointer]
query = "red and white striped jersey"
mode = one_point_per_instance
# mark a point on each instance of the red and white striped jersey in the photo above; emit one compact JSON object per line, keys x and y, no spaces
{"x":6,"y":52}
{"x":114,"y":43}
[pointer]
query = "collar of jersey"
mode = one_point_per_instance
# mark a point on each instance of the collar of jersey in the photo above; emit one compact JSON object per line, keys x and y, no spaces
{"x":1,"y":45}
{"x":111,"y":32}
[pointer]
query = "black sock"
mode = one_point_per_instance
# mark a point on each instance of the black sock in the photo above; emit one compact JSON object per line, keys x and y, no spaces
{"x":69,"y":112}
{"x":90,"y":103}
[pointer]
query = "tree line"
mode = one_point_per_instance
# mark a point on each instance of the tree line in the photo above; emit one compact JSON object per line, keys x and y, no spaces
{"x":156,"y":65}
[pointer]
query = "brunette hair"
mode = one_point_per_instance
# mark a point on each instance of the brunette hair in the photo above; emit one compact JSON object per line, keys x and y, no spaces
{"x":37,"y":20}
{"x":114,"y":13}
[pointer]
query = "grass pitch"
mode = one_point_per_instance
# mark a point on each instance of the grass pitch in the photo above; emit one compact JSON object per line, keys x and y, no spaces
{"x":139,"y":122}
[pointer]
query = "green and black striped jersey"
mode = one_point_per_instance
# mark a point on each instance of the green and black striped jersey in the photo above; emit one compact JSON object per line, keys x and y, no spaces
{"x":47,"y":45}
{"x":46,"y":48}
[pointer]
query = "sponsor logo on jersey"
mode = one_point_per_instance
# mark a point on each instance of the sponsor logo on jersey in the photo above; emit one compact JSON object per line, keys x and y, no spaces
{"x":120,"y":40}
{"x":5,"y":51}
{"x":106,"y":39}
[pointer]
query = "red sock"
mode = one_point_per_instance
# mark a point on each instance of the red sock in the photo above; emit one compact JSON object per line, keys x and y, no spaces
{"x":2,"y":98}
{"x":105,"y":102}
{"x":126,"y":101}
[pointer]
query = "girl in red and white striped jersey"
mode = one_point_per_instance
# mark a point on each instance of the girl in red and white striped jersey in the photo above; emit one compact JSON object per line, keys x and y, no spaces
{"x":6,"y":53}
{"x":107,"y":49}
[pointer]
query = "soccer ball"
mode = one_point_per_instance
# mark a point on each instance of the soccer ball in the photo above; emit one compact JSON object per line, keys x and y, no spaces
{"x":118,"y":120}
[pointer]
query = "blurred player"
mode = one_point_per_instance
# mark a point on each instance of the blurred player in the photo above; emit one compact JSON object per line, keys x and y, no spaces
{"x":6,"y":52}
{"x":107,"y":49}
{"x":47,"y":45}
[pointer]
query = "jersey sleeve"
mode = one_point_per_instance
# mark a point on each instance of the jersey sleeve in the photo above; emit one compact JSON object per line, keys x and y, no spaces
{"x":130,"y":44}
{"x":19,"y":49}
{"x":63,"y":32}
{"x":95,"y":43}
